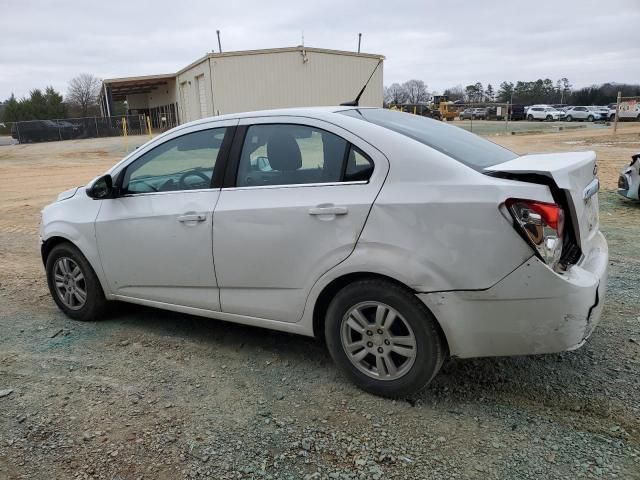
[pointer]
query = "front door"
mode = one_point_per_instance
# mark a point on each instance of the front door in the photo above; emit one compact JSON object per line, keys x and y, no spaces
{"x":299,"y":200}
{"x":155,"y":238}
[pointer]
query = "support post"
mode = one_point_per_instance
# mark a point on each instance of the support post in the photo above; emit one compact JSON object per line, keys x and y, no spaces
{"x":615,"y":121}
{"x":125,"y":134}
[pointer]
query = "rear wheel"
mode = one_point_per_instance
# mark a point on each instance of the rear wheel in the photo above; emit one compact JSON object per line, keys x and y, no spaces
{"x":73,"y":284}
{"x":530,"y":118}
{"x":569,"y":118}
{"x":383,"y":338}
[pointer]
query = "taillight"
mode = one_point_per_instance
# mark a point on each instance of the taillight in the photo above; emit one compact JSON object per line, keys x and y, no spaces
{"x":542,"y":225}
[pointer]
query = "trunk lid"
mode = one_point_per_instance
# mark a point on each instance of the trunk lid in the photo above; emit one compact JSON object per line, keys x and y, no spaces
{"x":575,"y":174}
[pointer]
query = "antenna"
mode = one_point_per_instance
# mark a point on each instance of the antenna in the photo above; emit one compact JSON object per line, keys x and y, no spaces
{"x":355,"y":102}
{"x":359,"y":38}
{"x":219,"y":45}
{"x":303,"y":38}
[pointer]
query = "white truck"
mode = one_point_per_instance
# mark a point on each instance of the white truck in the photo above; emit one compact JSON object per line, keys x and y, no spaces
{"x":629,"y":111}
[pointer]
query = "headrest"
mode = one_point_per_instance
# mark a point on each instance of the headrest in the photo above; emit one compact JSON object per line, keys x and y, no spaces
{"x":283,"y":152}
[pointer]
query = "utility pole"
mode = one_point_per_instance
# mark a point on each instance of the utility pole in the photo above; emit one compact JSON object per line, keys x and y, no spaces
{"x":615,"y":121}
{"x":219,"y":45}
{"x":359,"y":39}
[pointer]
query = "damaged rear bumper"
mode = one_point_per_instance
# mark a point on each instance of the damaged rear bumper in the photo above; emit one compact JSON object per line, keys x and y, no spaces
{"x":532,"y":310}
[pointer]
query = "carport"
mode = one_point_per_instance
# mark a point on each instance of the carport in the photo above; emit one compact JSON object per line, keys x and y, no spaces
{"x":151,"y":95}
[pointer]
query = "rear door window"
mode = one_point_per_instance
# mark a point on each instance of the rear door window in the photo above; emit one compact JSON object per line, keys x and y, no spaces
{"x":290,"y":154}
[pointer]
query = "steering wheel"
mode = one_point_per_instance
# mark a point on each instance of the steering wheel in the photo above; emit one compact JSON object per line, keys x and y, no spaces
{"x":193,"y":173}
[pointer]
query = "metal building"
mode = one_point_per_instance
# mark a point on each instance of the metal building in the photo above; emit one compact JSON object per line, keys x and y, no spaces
{"x":230,"y":82}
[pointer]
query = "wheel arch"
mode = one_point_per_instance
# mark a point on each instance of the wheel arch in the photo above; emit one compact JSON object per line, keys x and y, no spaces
{"x":50,"y":243}
{"x":329,"y":291}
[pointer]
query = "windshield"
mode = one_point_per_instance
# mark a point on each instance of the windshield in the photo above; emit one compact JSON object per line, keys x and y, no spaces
{"x":465,"y":147}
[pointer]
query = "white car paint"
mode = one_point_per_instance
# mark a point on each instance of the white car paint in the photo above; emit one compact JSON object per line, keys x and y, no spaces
{"x":583,"y":113}
{"x":628,"y":111}
{"x":423,"y":219}
{"x":629,"y":181}
{"x":543,"y":113}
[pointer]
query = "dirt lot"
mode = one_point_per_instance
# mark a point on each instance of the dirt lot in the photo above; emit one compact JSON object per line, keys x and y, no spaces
{"x":158,"y":395}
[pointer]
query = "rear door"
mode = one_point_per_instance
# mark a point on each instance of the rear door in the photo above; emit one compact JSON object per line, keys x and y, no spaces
{"x":294,"y":205}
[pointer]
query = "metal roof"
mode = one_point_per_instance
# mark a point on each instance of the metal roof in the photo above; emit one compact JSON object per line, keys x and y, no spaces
{"x":121,"y":87}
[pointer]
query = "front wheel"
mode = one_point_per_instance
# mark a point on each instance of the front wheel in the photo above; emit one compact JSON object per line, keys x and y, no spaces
{"x":549,"y":118}
{"x":590,"y":118}
{"x":73,"y":284}
{"x":384,"y":338}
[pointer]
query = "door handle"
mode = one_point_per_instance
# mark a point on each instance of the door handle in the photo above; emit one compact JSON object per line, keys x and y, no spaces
{"x":192,"y":217}
{"x":328,"y":210}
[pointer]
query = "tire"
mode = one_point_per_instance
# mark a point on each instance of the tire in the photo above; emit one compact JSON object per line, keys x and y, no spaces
{"x":63,"y":261}
{"x":411,"y":320}
{"x":590,"y":118}
{"x":549,"y":118}
{"x":569,"y":118}
{"x":530,"y":118}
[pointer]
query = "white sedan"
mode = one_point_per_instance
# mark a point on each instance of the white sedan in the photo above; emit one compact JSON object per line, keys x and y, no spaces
{"x":398,"y":240}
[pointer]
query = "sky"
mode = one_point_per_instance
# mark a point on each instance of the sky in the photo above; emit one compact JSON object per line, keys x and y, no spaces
{"x":443,"y":43}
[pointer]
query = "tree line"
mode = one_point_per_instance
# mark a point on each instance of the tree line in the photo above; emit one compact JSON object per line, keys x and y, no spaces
{"x":81,"y":100}
{"x":540,"y":91}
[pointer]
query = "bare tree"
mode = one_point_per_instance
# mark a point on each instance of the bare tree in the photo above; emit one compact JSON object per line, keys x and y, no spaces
{"x":83,"y":92}
{"x":416,"y":91}
{"x":395,"y":94}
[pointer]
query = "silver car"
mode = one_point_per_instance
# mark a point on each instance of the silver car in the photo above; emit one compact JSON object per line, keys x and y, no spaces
{"x":397,"y":239}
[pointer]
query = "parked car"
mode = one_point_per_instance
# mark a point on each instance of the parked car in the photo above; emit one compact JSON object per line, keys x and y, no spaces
{"x":582,"y":113}
{"x":603,"y":111}
{"x":518,"y":112}
{"x":466,"y":114}
{"x":473,"y":113}
{"x":629,"y":180}
{"x":543,"y":113}
{"x":35,"y":131}
{"x":395,"y":238}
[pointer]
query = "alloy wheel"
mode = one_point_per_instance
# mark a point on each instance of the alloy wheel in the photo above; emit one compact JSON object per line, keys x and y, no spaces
{"x":70,"y":283}
{"x":378,"y":340}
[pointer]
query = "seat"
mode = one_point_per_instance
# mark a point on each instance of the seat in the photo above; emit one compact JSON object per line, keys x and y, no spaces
{"x":284,"y":157}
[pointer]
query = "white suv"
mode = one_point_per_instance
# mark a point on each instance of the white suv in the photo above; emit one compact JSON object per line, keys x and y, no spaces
{"x":543,"y":113}
{"x":583,"y":113}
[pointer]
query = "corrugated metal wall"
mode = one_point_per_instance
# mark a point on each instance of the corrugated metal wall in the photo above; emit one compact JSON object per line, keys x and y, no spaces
{"x":279,"y":80}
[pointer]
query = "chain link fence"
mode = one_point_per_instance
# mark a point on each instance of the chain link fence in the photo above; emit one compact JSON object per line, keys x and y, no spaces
{"x":32,"y":131}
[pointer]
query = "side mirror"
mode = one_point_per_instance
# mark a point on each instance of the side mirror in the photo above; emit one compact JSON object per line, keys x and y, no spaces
{"x":101,"y":188}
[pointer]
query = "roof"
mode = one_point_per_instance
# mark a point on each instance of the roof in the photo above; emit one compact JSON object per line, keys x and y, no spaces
{"x":266,"y":51}
{"x":121,"y":87}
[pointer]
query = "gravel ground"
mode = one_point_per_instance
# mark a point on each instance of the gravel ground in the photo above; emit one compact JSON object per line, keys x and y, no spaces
{"x":159,"y":395}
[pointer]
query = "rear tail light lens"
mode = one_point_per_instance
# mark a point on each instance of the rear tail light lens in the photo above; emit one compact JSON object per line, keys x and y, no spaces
{"x":542,"y":225}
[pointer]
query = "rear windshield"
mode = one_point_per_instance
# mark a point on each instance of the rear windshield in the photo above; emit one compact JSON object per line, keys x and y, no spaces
{"x":463,"y":146}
